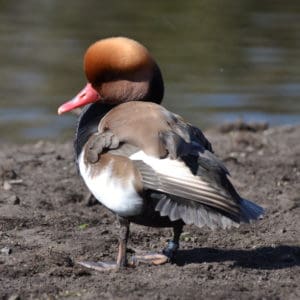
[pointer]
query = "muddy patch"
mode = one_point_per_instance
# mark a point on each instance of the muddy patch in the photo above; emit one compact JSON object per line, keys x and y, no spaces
{"x":48,"y":222}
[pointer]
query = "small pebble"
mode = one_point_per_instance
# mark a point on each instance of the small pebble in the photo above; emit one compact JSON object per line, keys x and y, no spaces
{"x":6,"y":250}
{"x":13,"y":199}
{"x":208,"y":267}
{"x":16,"y":200}
{"x":282,"y":230}
{"x":9,"y":174}
{"x":6,"y":186}
{"x":39,"y":144}
{"x":14,"y":297}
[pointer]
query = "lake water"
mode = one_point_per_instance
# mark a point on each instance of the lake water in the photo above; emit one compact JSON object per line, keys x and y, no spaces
{"x":221,"y":60}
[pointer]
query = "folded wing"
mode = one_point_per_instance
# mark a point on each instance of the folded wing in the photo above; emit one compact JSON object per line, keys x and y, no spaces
{"x":175,"y":158}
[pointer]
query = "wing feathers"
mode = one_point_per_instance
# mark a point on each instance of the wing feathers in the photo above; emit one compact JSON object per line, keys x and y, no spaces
{"x":198,"y":215}
{"x":176,"y":179}
{"x":203,"y":197}
{"x":166,"y":208}
{"x":190,"y":198}
{"x":174,"y":213}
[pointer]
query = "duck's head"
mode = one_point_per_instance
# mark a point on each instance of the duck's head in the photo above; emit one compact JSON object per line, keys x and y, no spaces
{"x":118,"y":70}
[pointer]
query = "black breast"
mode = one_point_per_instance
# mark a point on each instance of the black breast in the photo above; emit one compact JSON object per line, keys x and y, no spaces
{"x":88,"y":122}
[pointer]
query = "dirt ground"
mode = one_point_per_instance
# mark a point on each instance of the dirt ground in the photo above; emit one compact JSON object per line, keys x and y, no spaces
{"x":46,"y":226}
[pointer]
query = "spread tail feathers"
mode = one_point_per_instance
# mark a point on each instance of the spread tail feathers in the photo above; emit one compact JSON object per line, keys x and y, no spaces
{"x":200,"y":215}
{"x":250,"y":211}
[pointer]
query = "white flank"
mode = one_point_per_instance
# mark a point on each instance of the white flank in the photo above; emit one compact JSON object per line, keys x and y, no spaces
{"x":112,"y":192}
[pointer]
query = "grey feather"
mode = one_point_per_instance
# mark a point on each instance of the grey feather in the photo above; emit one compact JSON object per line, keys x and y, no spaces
{"x":166,"y":208}
{"x":174,"y":213}
{"x":198,"y":214}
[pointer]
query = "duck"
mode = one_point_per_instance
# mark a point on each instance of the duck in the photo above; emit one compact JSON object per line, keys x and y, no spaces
{"x":142,"y":162}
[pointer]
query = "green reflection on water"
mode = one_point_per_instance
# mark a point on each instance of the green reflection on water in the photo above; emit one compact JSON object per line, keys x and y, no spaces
{"x":221,"y":60}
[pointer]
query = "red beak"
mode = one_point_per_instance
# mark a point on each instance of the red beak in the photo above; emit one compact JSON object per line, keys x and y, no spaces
{"x":87,"y":95}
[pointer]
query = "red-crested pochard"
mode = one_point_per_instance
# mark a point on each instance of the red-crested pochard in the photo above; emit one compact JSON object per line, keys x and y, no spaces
{"x":141,"y":161}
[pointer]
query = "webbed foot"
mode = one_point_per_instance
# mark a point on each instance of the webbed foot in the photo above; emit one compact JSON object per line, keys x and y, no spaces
{"x":149,"y":258}
{"x":166,"y":256}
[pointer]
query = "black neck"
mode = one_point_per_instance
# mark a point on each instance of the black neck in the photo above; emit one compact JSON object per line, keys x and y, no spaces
{"x":88,"y":122}
{"x":156,"y":89}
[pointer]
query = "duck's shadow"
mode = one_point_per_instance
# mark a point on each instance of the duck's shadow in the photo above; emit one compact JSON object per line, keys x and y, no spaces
{"x":271,"y":258}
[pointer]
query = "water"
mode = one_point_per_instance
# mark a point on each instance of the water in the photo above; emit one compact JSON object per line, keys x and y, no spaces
{"x":221,"y":60}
